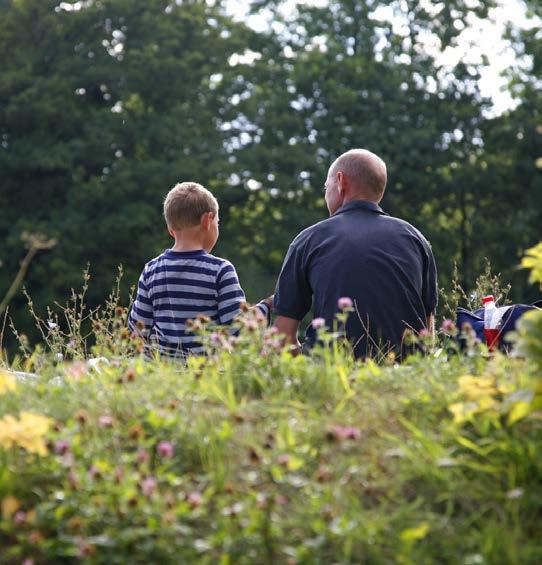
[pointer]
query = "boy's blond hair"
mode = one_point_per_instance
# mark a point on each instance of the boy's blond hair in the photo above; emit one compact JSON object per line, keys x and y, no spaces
{"x":185,"y":203}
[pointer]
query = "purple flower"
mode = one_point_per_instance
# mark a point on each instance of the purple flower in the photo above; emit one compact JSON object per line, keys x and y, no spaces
{"x":148,"y":486}
{"x":345,"y":302}
{"x":142,"y":456}
{"x":318,"y":323}
{"x":165,"y":449}
{"x":62,"y":446}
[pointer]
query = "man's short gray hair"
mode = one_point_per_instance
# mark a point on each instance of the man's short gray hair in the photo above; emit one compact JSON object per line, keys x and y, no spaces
{"x":365,"y":170}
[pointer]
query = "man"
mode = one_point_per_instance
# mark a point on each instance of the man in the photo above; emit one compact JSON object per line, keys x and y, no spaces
{"x":382,"y":263}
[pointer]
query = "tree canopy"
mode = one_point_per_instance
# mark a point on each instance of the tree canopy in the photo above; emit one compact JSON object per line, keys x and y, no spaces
{"x":106,"y":104}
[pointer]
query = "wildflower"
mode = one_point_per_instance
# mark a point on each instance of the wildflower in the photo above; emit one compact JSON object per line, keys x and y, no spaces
{"x":215,"y":338}
{"x":26,"y":432}
{"x":76,"y":370}
{"x":59,"y":357}
{"x":343,"y":432}
{"x":94,"y":472}
{"x":135,"y":432}
{"x":72,"y":480}
{"x":62,"y":446}
{"x":194,"y":499}
{"x":105,"y":422}
{"x":119,"y":311}
{"x":345,"y":302}
{"x":82,"y":417}
{"x":52,"y":325}
{"x":118,"y":475}
{"x":165,"y":449}
{"x":424,"y":333}
{"x":85,"y":549}
{"x":318,"y":323}
{"x":28,"y":561}
{"x":283,"y":459}
{"x":19,"y":518}
{"x":130,"y":374}
{"x":142,"y":456}
{"x":9,"y":506}
{"x":148,"y":486}
{"x":7,"y":382}
{"x":514,"y":493}
{"x":447,"y":326}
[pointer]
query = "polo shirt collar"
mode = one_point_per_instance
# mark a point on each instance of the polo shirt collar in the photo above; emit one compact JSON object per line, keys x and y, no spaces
{"x":361,"y":205}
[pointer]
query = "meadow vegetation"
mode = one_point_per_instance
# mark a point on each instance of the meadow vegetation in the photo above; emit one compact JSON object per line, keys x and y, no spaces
{"x":251,"y":455}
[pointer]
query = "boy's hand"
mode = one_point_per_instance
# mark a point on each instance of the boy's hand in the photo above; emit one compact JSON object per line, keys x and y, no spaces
{"x":269,"y":302}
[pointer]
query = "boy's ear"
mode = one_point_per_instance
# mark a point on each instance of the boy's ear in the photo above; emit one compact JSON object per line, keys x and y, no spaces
{"x":205,"y":220}
{"x":171,"y":232}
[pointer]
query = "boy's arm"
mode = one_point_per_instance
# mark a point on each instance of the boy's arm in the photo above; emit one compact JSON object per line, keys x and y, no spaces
{"x":265,"y":306}
{"x":141,"y":317}
{"x":230,"y":295}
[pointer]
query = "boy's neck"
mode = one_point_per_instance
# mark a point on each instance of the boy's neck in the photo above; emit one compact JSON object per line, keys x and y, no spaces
{"x":187,"y":242}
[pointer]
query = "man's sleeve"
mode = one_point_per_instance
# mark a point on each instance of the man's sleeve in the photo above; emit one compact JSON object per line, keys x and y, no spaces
{"x":141,"y":309}
{"x":229,"y":293}
{"x":293,"y":295}
{"x":430,"y":287}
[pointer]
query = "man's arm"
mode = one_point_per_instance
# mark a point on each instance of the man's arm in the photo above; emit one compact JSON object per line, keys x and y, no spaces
{"x":288,"y":328}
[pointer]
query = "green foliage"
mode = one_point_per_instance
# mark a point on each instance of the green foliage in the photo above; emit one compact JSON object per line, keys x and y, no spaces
{"x":251,"y":455}
{"x":529,"y":335}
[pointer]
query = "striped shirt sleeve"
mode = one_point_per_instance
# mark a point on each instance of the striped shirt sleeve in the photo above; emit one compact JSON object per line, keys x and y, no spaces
{"x":141,"y":309}
{"x":229,"y":293}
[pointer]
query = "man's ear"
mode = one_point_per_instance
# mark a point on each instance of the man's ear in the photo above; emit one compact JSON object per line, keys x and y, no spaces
{"x":341,"y":183}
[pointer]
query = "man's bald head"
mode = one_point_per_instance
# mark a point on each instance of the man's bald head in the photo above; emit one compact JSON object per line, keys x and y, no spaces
{"x":365,"y":171}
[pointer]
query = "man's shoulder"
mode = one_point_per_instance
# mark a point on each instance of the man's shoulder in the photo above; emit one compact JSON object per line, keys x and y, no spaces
{"x":312,"y":232}
{"x":402,"y":226}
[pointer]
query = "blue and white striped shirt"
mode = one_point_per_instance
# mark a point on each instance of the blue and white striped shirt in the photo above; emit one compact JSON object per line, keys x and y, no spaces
{"x":178,"y":286}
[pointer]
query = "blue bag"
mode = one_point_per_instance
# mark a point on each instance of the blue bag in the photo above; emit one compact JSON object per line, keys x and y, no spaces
{"x":509,"y":320}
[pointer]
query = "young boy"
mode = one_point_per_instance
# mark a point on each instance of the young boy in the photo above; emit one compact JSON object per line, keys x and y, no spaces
{"x":186,"y":280}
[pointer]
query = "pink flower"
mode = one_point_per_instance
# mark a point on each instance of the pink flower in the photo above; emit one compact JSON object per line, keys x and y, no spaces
{"x":148,"y":486}
{"x":318,"y":323}
{"x":215,"y":338}
{"x":94,"y":473}
{"x":423,"y":333}
{"x":194,"y":499}
{"x":283,"y":459}
{"x":165,"y":449}
{"x":447,"y":326}
{"x":142,"y":456}
{"x":344,"y":432}
{"x":62,"y":446}
{"x":105,"y":422}
{"x":19,"y":518}
{"x":345,"y":302}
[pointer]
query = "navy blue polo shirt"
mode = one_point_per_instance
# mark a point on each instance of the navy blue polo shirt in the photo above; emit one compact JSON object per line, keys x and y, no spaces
{"x":382,"y":263}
